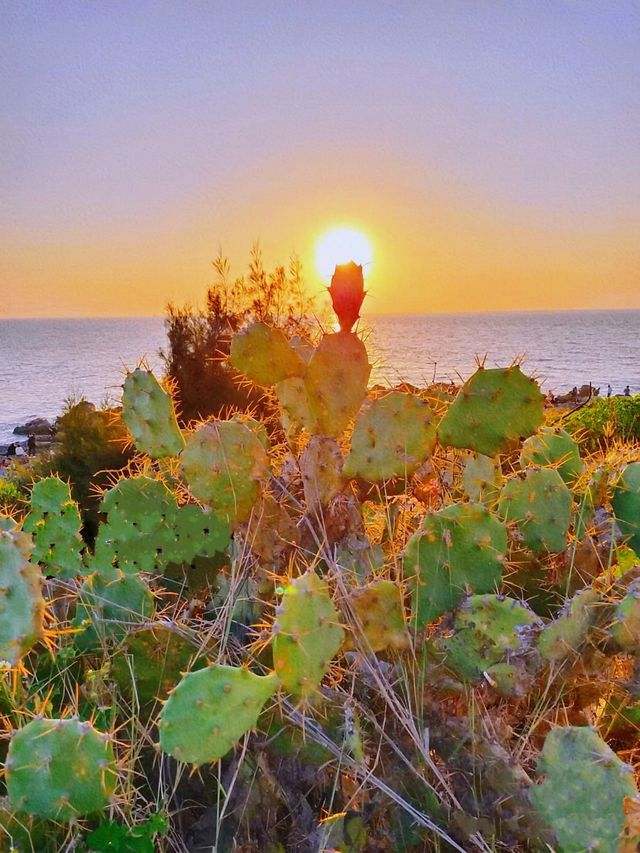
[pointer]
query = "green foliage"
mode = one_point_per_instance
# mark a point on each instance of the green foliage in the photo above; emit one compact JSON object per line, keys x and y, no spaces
{"x":60,"y":769}
{"x":582,"y":791}
{"x":392,"y":436}
{"x":306,"y":634}
{"x":114,"y":837}
{"x":461,"y":547}
{"x":605,"y":420}
{"x":210,"y":710}
{"x":569,"y":631}
{"x":540,"y":507}
{"x":109,"y":605}
{"x":494,"y":409}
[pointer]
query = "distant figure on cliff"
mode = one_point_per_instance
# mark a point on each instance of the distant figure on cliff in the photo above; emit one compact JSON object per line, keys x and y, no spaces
{"x":609,"y":390}
{"x":11,"y":450}
{"x":627,"y":391}
{"x":31,"y":445}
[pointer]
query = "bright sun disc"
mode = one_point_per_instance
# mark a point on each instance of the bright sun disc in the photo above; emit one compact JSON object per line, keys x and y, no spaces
{"x":339,"y":246}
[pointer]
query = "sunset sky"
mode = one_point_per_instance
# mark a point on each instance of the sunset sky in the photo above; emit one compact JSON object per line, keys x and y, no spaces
{"x":488,"y":151}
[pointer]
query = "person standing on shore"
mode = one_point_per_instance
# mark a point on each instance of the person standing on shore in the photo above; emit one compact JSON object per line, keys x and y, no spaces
{"x":609,"y":390}
{"x":31,"y":445}
{"x":627,"y":391}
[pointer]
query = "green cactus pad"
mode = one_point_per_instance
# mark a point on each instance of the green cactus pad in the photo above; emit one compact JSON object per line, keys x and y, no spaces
{"x":151,"y":661}
{"x":626,"y":504}
{"x":379,"y":615}
{"x":625,"y":628}
{"x":60,"y":769}
{"x":264,"y":355}
{"x":54,"y":522}
{"x":570,"y":630}
{"x":493,"y":411}
{"x":459,"y":548}
{"x":108,"y":607}
{"x":210,"y":710}
{"x":295,"y":409}
{"x":225,"y":463}
{"x":553,"y":448}
{"x":540,"y":506}
{"x":21,"y":602}
{"x":336,"y":382}
{"x":581,"y":795}
{"x":306,"y":634}
{"x":150,"y":417}
{"x":482,"y":479}
{"x":493,"y":635}
{"x":392,"y":437}
{"x":321,"y":470}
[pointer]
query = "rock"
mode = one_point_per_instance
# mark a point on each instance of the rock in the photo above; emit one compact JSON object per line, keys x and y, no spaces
{"x":36,"y":426}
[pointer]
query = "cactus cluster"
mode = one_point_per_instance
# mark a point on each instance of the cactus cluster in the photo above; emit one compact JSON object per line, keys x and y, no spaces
{"x":369,"y":599}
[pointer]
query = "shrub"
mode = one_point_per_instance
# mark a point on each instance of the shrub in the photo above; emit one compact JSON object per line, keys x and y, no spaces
{"x":605,"y":420}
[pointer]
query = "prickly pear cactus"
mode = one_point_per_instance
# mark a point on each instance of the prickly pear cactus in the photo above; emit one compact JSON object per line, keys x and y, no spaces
{"x":626,"y":504}
{"x":150,"y":417}
{"x":108,"y":607}
{"x":210,"y":710}
{"x":265,"y":355}
{"x":392,"y":437}
{"x":347,"y":294}
{"x":482,"y":479}
{"x":493,"y":411}
{"x":570,"y":630}
{"x":270,"y":531}
{"x":21,"y":602}
{"x":336,"y":382}
{"x":151,"y":661}
{"x":540,"y":506}
{"x":553,"y":448}
{"x":225,"y":464}
{"x":379,"y":614}
{"x":295,"y":408}
{"x":146,"y":529}
{"x":54,"y":522}
{"x":493,"y":638}
{"x":321,"y":470}
{"x":459,"y":548}
{"x":60,"y":769}
{"x":582,"y":792}
{"x":625,"y":628}
{"x":306,"y":634}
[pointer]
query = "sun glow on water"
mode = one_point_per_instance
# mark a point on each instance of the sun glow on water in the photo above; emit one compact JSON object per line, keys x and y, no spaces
{"x":339,"y":246}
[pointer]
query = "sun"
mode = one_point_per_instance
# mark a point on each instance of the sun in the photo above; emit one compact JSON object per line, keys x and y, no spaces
{"x":339,"y":246}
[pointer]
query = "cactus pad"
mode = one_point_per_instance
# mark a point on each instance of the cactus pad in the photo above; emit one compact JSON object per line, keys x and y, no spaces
{"x":625,"y":629}
{"x":21,"y":602}
{"x":493,"y":635}
{"x":210,"y":710}
{"x":493,"y":411}
{"x":336,"y":382}
{"x":540,"y":506}
{"x":626,"y":504}
{"x":108,"y":607}
{"x":459,"y":548}
{"x":150,"y":417}
{"x":264,"y":355}
{"x":482,"y":479}
{"x":583,"y":790}
{"x":60,"y":769}
{"x":553,"y":448}
{"x":379,"y":614}
{"x":321,"y":470}
{"x":295,"y":409}
{"x":392,"y":437}
{"x":565,"y":635}
{"x":224,"y":463}
{"x":54,"y":522}
{"x":307,"y":634}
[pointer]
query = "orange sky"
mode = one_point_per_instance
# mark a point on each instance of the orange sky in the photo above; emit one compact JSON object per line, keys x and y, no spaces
{"x":489,"y":160}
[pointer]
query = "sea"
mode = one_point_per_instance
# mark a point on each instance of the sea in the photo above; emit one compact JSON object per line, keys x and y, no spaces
{"x":45,"y":363}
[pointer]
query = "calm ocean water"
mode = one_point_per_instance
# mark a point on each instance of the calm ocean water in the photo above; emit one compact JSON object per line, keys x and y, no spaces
{"x":43,"y":362}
